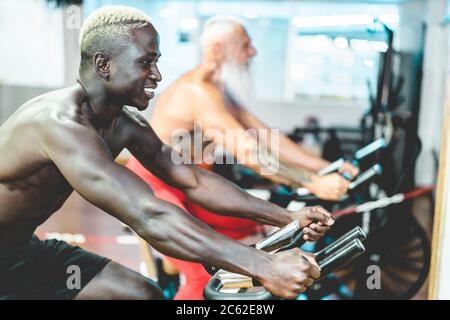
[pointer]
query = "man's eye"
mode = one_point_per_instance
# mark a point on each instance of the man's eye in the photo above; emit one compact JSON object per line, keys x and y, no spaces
{"x":147,"y":62}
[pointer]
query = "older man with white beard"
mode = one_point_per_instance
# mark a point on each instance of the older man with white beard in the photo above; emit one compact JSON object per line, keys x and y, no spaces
{"x":210,"y":98}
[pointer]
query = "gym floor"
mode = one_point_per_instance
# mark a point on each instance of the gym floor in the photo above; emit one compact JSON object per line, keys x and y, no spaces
{"x":77,"y":216}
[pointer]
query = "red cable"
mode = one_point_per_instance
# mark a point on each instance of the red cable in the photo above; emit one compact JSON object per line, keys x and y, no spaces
{"x":408,"y":195}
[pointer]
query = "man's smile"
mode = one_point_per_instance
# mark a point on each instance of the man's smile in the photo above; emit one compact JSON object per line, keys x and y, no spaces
{"x":149,"y":93}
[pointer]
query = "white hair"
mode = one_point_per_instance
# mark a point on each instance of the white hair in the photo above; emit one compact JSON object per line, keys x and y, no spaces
{"x":108,"y":28}
{"x":218,"y":28}
{"x":116,"y":19}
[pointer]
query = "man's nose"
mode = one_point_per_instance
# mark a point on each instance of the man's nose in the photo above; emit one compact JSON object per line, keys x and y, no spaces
{"x":252,"y":52}
{"x":156,"y":76}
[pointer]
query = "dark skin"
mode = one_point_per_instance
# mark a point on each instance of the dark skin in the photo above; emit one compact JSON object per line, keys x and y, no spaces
{"x":67,"y":140}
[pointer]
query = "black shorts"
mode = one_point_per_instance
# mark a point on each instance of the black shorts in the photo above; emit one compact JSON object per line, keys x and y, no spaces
{"x":46,"y":270}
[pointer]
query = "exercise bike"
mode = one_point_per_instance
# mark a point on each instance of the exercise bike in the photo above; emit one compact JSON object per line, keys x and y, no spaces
{"x":231,"y":286}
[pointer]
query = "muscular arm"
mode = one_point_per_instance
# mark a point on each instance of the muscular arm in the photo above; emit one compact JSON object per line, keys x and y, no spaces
{"x":86,"y":163}
{"x":224,"y":129}
{"x":330,"y":187}
{"x":205,"y":188}
{"x":289,"y":151}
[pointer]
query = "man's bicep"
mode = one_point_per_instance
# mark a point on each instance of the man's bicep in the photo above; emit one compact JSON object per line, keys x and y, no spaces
{"x":77,"y":151}
{"x":86,"y":163}
{"x":160,"y":159}
{"x":171,"y":167}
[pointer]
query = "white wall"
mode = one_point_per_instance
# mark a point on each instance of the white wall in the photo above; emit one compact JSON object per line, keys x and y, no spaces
{"x":32,"y":47}
{"x":443,"y":265}
{"x":72,"y":20}
{"x":12,"y":97}
{"x":433,"y":87}
{"x":286,"y":116}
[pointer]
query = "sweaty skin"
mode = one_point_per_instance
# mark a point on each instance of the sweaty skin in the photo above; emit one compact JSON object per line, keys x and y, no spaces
{"x":67,"y":140}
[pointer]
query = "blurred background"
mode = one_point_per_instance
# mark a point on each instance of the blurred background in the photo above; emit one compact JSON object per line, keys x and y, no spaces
{"x":328,"y":66}
{"x":315,"y":58}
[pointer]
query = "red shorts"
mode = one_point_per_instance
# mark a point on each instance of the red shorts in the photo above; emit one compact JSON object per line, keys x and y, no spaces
{"x":195,"y":275}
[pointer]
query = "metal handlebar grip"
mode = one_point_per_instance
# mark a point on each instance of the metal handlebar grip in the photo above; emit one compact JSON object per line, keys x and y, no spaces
{"x":355,"y":233}
{"x":347,"y":248}
{"x":340,"y":258}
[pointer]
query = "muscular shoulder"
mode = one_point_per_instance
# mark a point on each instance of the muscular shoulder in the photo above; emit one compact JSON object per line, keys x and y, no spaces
{"x":210,"y":102}
{"x":60,"y":117}
{"x":189,"y":90}
{"x":55,"y":106}
{"x":204,"y":96}
{"x":53,"y":128}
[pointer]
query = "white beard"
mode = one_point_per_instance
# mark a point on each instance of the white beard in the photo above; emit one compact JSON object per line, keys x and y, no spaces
{"x":237,"y":81}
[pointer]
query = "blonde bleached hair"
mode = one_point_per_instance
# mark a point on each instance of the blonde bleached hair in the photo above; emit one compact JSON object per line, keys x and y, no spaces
{"x":108,"y":28}
{"x":218,"y":28}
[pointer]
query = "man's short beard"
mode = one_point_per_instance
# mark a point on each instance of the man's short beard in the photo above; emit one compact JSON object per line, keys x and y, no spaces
{"x":236,"y":78}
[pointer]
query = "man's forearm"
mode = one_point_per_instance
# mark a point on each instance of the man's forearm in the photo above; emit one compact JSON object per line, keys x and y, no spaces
{"x":294,"y":154}
{"x":294,"y":174}
{"x":220,"y":196}
{"x":165,"y":226}
{"x":291,"y":173}
{"x":266,"y":163}
{"x":174,"y":232}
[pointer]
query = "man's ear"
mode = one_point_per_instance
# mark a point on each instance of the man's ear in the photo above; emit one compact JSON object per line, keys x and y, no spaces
{"x":101,"y":64}
{"x":218,"y":52}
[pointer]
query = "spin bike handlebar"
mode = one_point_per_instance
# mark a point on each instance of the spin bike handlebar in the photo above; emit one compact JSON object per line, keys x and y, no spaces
{"x":226,"y":286}
{"x":303,"y":194}
{"x":357,"y":156}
